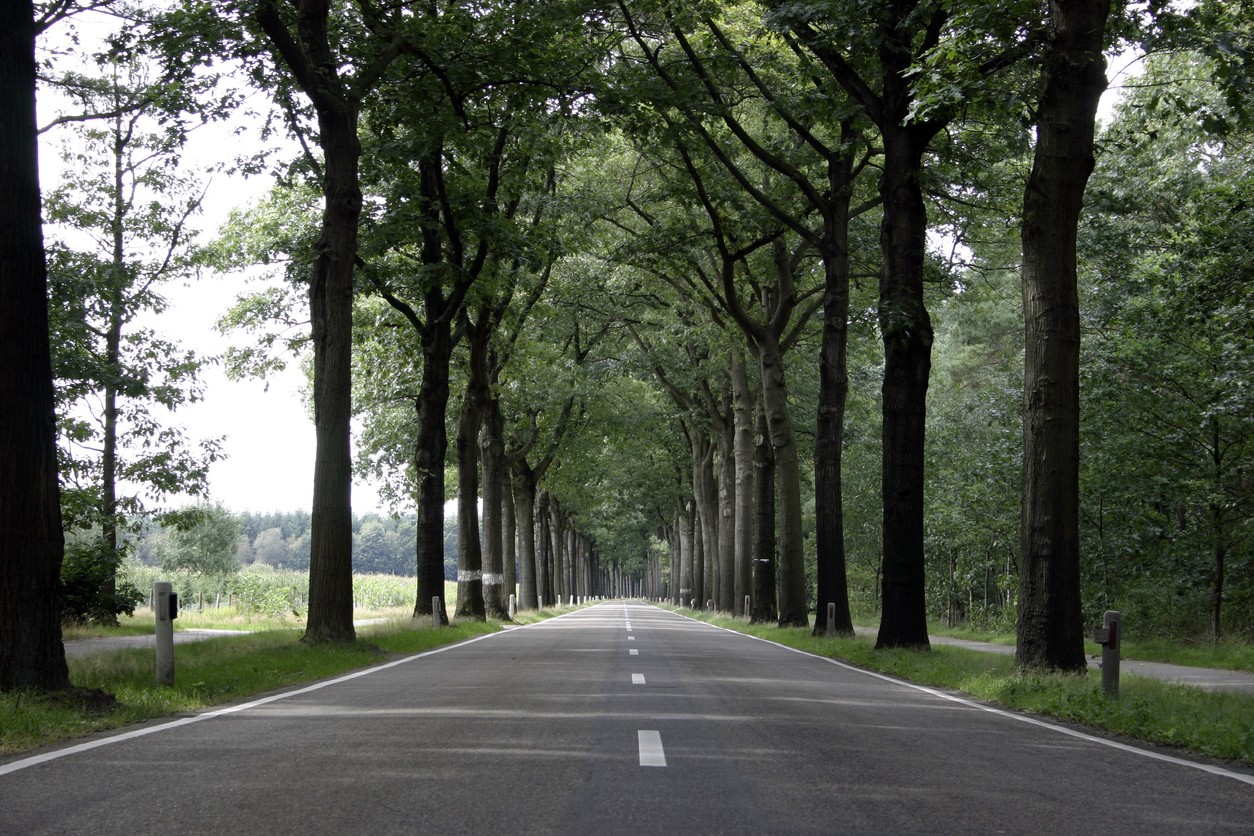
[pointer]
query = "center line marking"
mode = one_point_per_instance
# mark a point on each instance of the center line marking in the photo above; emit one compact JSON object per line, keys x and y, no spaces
{"x":631,"y":638}
{"x":651,"y":753}
{"x":633,"y":652}
{"x":637,"y":679}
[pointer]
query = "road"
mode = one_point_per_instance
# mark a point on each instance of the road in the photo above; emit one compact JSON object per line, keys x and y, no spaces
{"x":620,"y":718}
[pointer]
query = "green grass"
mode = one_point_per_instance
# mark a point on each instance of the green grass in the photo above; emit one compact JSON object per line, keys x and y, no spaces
{"x":1229,"y":654}
{"x":207,"y":673}
{"x":1220,"y":725}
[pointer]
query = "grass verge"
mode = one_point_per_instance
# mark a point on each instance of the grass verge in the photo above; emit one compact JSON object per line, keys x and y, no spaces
{"x":208,"y":673}
{"x":1220,"y":725}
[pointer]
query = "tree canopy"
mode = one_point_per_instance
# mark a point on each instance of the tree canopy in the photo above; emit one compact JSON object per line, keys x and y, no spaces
{"x":796,"y":302}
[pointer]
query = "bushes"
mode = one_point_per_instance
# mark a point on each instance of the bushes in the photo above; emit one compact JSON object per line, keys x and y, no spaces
{"x":88,"y":595}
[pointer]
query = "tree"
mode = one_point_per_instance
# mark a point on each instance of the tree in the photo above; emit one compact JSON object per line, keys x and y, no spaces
{"x":201,"y":539}
{"x":1050,"y":629}
{"x":303,"y":43}
{"x":1166,"y":497}
{"x":31,"y":539}
{"x":822,"y":165}
{"x":124,"y":193}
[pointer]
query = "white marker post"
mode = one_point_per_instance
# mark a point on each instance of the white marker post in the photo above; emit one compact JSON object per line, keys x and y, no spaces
{"x":162,"y":604}
{"x":1108,"y":637}
{"x":831,"y":621}
{"x":435,"y":612}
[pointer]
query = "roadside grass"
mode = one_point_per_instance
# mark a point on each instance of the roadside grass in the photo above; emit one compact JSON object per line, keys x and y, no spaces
{"x":1228,"y":654}
{"x":1232,"y":654}
{"x":1220,"y":725}
{"x":207,"y":673}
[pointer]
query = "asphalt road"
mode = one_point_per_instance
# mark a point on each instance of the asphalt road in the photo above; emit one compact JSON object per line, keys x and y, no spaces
{"x":620,"y":718}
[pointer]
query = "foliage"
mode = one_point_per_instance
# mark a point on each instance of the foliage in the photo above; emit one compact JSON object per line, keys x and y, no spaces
{"x":1170,"y":414}
{"x":91,"y":592}
{"x":200,"y":539}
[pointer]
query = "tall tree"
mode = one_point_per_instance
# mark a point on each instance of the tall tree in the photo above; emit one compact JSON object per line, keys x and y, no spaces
{"x":301,"y":39}
{"x":124,"y":194}
{"x":31,"y":540}
{"x":1073,"y":76}
{"x":875,"y":53}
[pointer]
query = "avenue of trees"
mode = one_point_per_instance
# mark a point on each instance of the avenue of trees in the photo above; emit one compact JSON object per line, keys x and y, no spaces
{"x":727,"y":302}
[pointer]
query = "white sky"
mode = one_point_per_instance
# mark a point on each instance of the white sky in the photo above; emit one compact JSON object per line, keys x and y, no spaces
{"x":269,"y":442}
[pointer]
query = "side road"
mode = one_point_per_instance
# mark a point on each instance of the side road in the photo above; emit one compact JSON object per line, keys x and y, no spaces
{"x":1210,"y":679}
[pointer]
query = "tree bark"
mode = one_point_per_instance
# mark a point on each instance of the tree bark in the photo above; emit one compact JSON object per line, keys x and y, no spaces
{"x":430,"y":452}
{"x":32,"y":655}
{"x":687,"y":555}
{"x":907,"y":336}
{"x":529,"y":585}
{"x":787,"y":474}
{"x":544,"y":552}
{"x":725,"y":588}
{"x":742,"y":412}
{"x":509,"y":524}
{"x":831,"y":580}
{"x":762,"y":603}
{"x":309,"y":56}
{"x":492,"y":456}
{"x":470,"y":603}
{"x":1050,"y":629}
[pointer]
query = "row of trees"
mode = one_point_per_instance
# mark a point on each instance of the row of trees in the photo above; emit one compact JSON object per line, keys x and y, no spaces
{"x":666,"y":254}
{"x":216,"y":541}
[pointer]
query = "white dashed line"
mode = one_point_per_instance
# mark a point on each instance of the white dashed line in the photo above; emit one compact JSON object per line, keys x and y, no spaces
{"x":633,"y":652}
{"x":651,"y":753}
{"x":637,"y":679}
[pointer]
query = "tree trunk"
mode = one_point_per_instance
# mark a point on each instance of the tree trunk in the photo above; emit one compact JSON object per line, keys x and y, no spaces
{"x":431,"y":449}
{"x":530,"y":575}
{"x":544,"y":552}
{"x":557,"y":542}
{"x":31,"y":539}
{"x":469,"y":548}
{"x":762,"y":604}
{"x":831,"y":580}
{"x":725,"y":588}
{"x":907,"y":336}
{"x":687,"y":555}
{"x":509,"y":536}
{"x":787,"y":471}
{"x":742,"y":411}
{"x":492,"y":453}
{"x":709,"y":522}
{"x":308,"y":54}
{"x":676,"y":554}
{"x":1050,"y":630}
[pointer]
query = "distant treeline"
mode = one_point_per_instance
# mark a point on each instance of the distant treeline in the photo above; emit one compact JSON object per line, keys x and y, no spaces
{"x":381,"y":544}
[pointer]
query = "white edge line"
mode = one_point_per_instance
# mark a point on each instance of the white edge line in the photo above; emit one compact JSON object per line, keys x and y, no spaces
{"x":78,"y":748}
{"x":1032,"y":721}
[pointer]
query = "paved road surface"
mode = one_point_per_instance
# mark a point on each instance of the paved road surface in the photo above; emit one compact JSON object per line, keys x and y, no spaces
{"x":561,"y":728}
